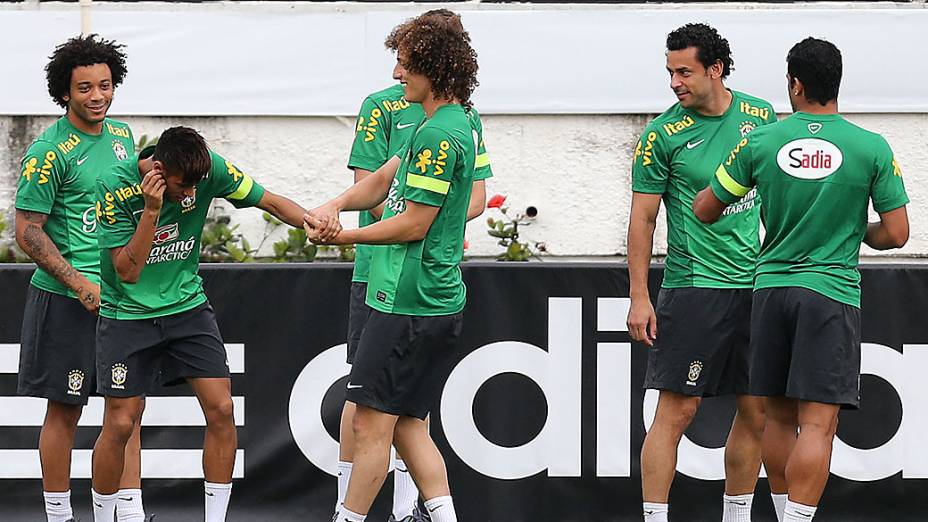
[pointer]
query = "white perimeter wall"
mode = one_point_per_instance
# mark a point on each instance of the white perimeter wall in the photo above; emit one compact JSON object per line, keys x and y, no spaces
{"x":573,"y":168}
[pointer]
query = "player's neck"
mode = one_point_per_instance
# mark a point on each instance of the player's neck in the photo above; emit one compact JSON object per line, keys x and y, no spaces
{"x":93,"y":129}
{"x":717,"y":104}
{"x":144,"y":166}
{"x":817,"y":108}
{"x":432,"y":104}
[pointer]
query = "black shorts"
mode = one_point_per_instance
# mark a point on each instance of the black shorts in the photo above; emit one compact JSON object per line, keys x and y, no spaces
{"x":402,"y":362}
{"x":132,"y":353}
{"x":56,"y":356}
{"x":358,"y":312}
{"x":805,"y":346}
{"x":703,"y":336}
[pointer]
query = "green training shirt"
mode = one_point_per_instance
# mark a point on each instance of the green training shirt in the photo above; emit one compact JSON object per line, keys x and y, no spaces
{"x":816,"y":175}
{"x":59,"y":176}
{"x":386,"y":121}
{"x":676,"y":157}
{"x":169,"y":282}
{"x":423,"y":278}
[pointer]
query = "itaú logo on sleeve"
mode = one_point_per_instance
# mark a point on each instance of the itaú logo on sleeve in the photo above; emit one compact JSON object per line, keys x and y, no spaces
{"x":809,"y":158}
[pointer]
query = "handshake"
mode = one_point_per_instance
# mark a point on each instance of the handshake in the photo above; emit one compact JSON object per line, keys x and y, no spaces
{"x":322,"y":225}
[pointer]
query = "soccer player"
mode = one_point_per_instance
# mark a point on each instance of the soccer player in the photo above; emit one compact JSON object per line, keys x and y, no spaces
{"x":56,"y":227}
{"x":705,"y":299}
{"x":817,"y":174}
{"x":385,"y":123}
{"x":154,"y":316}
{"x":415,"y":287}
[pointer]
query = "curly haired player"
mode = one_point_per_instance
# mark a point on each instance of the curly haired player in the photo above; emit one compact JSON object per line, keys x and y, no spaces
{"x":56,"y":227}
{"x":415,"y":287}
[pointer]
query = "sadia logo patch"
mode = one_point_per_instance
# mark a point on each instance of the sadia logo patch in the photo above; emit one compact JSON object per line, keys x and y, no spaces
{"x":809,"y":158}
{"x":165,"y":234}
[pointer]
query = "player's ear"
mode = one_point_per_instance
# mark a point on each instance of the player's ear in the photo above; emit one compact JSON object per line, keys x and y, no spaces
{"x":715,"y":70}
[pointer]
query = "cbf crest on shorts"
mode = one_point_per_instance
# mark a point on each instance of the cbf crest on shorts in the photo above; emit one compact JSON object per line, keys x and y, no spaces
{"x":693,"y":375}
{"x":119,"y":374}
{"x":75,"y":382}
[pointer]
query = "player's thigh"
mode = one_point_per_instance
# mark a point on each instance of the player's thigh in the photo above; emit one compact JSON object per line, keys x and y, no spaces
{"x":195,"y":349}
{"x":128,"y":356}
{"x":56,"y":349}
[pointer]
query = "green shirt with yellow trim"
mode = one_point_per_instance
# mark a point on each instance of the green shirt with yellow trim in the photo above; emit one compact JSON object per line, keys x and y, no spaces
{"x":423,"y":278}
{"x":58,"y":178}
{"x":675,"y":157}
{"x":817,"y":175}
{"x":169,"y":282}
{"x":386,"y":122}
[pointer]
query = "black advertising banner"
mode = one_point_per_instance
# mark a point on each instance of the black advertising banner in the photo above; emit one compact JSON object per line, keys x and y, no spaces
{"x":541,"y":418}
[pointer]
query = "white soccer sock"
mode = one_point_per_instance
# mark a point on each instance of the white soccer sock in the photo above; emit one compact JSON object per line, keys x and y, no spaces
{"x":104,"y":507}
{"x":405,"y":492}
{"x":58,"y":506}
{"x":779,"y":504}
{"x":655,"y":512}
{"x":217,"y":501}
{"x":441,"y":509}
{"x":796,"y":512}
{"x":129,"y":506}
{"x":345,"y":515}
{"x":344,"y":476}
{"x":737,"y":508}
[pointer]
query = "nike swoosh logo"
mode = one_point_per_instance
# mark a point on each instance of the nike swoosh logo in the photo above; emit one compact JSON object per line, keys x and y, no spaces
{"x":353,"y":386}
{"x":126,"y":499}
{"x":81,"y":161}
{"x":53,"y":503}
{"x":742,"y":503}
{"x":807,"y":515}
{"x":436,"y":508}
{"x":693,"y":145}
{"x":400,"y":126}
{"x":648,"y":512}
{"x":98,"y":505}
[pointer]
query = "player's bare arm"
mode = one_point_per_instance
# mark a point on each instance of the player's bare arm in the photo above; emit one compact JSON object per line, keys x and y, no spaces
{"x":891,"y":231}
{"x":478,"y":200}
{"x":282,"y":208}
{"x":31,"y":237}
{"x":129,"y":260}
{"x":707,"y":206}
{"x":412,"y":225}
{"x":365,"y":195}
{"x":359,"y":175}
{"x":642,"y":321}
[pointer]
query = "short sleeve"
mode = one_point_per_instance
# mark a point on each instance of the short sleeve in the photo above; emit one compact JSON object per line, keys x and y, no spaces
{"x":887,"y":189}
{"x":229,"y":182}
{"x":115,"y":223}
{"x":734,"y":178}
{"x":370,"y":148}
{"x":651,"y":165}
{"x":43,"y":174}
{"x":429,"y":174}
{"x":482,"y":169}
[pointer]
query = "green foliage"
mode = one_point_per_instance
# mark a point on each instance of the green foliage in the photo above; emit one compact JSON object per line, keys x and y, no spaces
{"x":295,"y":248}
{"x":506,"y":230}
{"x":220,"y":243}
{"x":9,"y":250}
{"x":145,"y":142}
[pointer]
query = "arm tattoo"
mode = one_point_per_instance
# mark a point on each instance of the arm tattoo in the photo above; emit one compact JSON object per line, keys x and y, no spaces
{"x":45,"y":254}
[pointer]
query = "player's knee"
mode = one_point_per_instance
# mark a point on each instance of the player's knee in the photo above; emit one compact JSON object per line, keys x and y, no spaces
{"x":680,"y":414}
{"x":63,"y":415}
{"x":120,"y":424}
{"x":220,"y":412}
